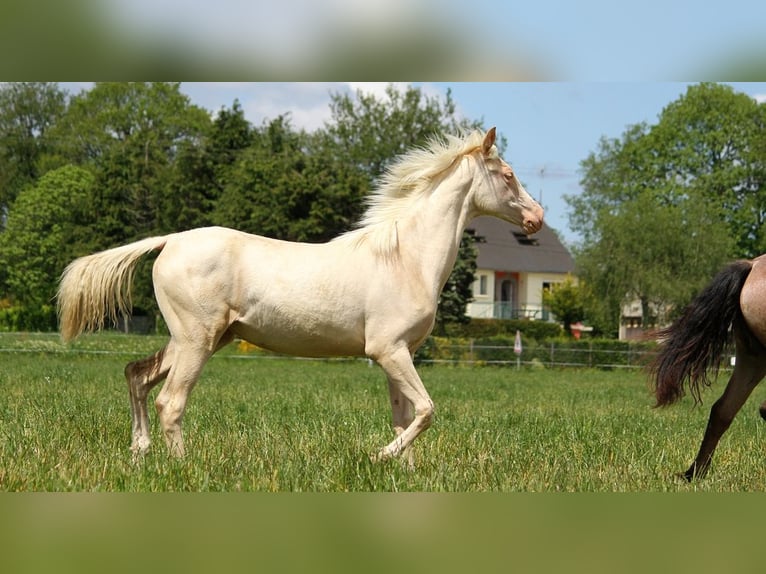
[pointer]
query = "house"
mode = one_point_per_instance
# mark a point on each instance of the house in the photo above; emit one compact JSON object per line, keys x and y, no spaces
{"x":513,"y":270}
{"x":632,"y":326}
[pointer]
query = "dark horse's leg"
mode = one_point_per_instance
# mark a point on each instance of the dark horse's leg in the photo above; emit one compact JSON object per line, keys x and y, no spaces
{"x":750,"y":368}
{"x":142,"y":376}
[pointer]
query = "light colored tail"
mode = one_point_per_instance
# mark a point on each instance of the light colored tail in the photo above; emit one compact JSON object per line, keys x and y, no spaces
{"x":96,"y":287}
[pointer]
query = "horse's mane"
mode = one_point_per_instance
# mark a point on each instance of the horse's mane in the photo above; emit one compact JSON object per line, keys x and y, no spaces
{"x":407,"y":180}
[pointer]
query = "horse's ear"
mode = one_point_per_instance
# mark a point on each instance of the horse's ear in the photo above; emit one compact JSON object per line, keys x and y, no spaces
{"x":489,"y":141}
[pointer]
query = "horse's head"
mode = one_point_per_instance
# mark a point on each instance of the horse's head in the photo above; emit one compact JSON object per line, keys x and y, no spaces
{"x":497,"y":191}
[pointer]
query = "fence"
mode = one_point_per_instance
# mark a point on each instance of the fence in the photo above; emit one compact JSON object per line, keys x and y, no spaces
{"x":585,"y":354}
{"x":559,"y":353}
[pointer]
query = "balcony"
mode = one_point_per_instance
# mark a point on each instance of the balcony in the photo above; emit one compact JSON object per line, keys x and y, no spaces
{"x":503,"y":310}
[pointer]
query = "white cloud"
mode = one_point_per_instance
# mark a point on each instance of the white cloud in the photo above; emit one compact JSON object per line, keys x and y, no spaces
{"x":760,"y":98}
{"x":377,"y":89}
{"x":307,"y":103}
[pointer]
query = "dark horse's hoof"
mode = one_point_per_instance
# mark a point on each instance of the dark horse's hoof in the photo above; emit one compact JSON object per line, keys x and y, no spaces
{"x":762,"y":410}
{"x":685,"y":476}
{"x":695,"y":472}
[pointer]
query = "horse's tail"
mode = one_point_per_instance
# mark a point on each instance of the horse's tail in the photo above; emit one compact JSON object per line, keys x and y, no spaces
{"x":693,"y":345}
{"x":96,"y":287}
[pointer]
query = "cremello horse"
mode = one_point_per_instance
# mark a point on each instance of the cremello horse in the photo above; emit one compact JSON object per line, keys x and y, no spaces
{"x":370,"y":292}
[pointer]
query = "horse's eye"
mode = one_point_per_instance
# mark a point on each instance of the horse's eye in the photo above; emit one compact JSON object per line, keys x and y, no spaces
{"x":508,"y":175}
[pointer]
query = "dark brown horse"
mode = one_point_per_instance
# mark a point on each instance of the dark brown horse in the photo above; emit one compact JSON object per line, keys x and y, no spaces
{"x":732,"y":306}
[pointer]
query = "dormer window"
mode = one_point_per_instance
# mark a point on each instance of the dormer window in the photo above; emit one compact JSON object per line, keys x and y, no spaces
{"x":524,"y":239}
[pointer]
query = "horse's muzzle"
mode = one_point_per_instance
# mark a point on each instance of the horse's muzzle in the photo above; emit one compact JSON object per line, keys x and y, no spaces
{"x":533,"y":220}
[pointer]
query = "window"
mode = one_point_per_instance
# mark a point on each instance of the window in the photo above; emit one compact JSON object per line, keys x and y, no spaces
{"x":524,"y":239}
{"x":482,"y":284}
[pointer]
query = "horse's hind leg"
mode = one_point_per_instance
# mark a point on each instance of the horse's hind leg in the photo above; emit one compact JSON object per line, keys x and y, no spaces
{"x":171,"y":401}
{"x":142,"y":376}
{"x":749,"y":369}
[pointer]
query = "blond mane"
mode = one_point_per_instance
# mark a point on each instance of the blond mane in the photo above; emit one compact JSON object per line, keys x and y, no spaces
{"x":405,"y":182}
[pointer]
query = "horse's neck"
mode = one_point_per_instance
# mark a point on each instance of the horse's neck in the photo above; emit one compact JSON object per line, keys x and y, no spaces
{"x":430,"y":238}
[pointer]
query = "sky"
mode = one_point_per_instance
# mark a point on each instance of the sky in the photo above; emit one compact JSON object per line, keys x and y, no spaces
{"x":550,"y":127}
{"x":587,"y":40}
{"x":605,"y":40}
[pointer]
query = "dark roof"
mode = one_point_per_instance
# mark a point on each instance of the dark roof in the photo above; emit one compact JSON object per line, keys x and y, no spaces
{"x":506,"y":248}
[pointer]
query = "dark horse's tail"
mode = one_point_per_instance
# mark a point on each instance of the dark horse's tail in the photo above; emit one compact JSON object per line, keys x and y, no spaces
{"x":693,"y":345}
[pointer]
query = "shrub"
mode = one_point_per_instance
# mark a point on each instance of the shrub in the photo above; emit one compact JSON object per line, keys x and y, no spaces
{"x":28,"y":318}
{"x":483,"y":328}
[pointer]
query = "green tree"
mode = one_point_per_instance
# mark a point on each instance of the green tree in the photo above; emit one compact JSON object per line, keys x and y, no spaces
{"x":659,"y":212}
{"x":710,"y":144}
{"x":567,"y":302}
{"x":43,"y":234}
{"x":201,"y":169}
{"x":286,"y":186}
{"x":129,"y":135}
{"x":27,"y":112}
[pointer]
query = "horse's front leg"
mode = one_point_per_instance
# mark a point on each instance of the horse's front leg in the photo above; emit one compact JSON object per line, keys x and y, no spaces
{"x":404,"y":383}
{"x":402,"y":415}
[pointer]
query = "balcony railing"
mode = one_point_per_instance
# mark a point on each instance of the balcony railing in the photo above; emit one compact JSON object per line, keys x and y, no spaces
{"x":501,"y":310}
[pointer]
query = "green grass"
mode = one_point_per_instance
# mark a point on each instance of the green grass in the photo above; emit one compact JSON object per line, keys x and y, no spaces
{"x":288,"y":425}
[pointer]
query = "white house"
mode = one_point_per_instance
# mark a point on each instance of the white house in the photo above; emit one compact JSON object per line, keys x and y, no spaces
{"x":513,"y":270}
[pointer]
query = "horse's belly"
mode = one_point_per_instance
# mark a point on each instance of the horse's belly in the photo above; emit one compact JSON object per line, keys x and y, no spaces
{"x":305,"y":336}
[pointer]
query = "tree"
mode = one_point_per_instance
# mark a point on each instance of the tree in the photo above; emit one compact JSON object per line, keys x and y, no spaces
{"x":202,"y":167}
{"x":129,"y":135}
{"x":27,"y":112}
{"x":567,"y":302}
{"x":710,"y":144}
{"x":45,"y":231}
{"x":288,"y":185}
{"x":659,"y":208}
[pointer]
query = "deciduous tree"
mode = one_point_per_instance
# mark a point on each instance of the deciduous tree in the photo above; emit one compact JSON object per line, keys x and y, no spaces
{"x":567,"y":301}
{"x":27,"y":112}
{"x":45,"y":231}
{"x":665,"y":205}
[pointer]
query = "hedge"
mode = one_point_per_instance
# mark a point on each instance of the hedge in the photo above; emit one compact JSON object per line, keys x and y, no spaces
{"x":484,"y":328}
{"x":31,"y":318}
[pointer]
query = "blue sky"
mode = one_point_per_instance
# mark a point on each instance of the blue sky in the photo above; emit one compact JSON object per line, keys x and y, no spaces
{"x":550,"y":127}
{"x":583,"y":40}
{"x":608,"y":40}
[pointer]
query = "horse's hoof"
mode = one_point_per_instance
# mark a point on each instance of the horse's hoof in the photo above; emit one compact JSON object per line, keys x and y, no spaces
{"x":137,"y":456}
{"x":685,"y":476}
{"x":381,"y":456}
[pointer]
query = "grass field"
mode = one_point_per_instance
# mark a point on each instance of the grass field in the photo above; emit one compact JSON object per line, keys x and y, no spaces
{"x":271,"y":424}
